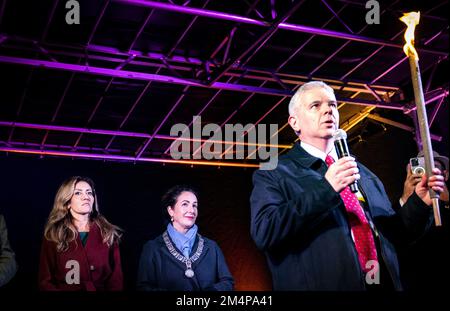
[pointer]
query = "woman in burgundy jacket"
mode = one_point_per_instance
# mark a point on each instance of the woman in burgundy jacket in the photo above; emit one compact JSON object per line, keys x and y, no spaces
{"x":80,"y":250}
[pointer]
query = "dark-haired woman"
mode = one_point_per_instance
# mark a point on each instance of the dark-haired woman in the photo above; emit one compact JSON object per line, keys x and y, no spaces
{"x":181,"y":259}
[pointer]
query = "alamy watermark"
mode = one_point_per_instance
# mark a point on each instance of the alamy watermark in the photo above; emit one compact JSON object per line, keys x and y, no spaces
{"x":211,"y":148}
{"x":73,"y":275}
{"x":373,"y":15}
{"x":373,"y":275}
{"x":73,"y":13}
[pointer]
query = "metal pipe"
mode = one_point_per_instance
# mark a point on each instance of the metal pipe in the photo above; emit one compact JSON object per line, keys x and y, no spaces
{"x":97,"y":105}
{"x":137,"y":75}
{"x":126,"y":134}
{"x":47,"y":26}
{"x":97,"y":22}
{"x":428,"y":101}
{"x":168,"y":79}
{"x":144,"y":146}
{"x":130,"y":111}
{"x":141,"y":29}
{"x":57,"y":146}
{"x":380,"y":48}
{"x":435,"y":111}
{"x":400,"y":125}
{"x":58,"y":107}
{"x":353,"y":121}
{"x":258,"y":44}
{"x":261,"y":85}
{"x":347,"y":42}
{"x":285,"y":26}
{"x":250,"y":72}
{"x":123,"y":158}
{"x":337,"y":16}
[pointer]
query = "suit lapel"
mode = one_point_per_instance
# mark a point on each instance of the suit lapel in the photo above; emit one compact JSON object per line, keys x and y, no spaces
{"x":300,"y":156}
{"x":364,"y":186}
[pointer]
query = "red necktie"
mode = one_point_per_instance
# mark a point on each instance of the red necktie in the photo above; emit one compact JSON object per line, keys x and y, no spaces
{"x":362,"y":234}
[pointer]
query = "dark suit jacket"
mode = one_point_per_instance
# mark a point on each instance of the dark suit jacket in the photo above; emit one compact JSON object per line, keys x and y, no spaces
{"x":160,"y":270}
{"x":300,"y":222}
{"x":8,"y":266}
{"x":100,"y":265}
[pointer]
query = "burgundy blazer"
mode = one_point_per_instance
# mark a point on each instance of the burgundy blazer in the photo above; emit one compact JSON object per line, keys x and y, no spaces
{"x":99,"y":265}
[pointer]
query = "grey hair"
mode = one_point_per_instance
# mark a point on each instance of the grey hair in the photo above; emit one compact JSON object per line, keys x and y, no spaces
{"x":304,"y":88}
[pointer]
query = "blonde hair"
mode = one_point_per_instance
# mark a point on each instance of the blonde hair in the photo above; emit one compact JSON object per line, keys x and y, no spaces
{"x":304,"y":88}
{"x":59,"y":227}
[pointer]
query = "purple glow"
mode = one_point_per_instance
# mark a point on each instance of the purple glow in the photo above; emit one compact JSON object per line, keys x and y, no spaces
{"x":126,"y":134}
{"x":152,"y":55}
{"x":430,"y":100}
{"x":195,"y":11}
{"x":137,"y":75}
{"x":174,"y":80}
{"x":122,"y":158}
{"x":79,"y":130}
{"x":285,"y":26}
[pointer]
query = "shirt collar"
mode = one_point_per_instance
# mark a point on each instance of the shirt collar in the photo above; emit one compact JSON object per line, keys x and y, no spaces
{"x":315,"y":152}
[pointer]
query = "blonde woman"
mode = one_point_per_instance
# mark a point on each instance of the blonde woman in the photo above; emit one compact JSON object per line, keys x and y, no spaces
{"x":80,"y":250}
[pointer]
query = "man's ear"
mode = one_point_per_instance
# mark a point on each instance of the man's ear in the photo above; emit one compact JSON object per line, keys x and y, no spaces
{"x":294,"y":123}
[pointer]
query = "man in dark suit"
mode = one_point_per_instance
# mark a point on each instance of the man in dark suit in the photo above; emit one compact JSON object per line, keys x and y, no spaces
{"x":315,"y":232}
{"x":8,"y":264}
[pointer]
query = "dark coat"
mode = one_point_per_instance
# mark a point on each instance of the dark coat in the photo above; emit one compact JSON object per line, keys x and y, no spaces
{"x":160,"y":270}
{"x":100,"y":265}
{"x":8,"y":266}
{"x":300,"y":222}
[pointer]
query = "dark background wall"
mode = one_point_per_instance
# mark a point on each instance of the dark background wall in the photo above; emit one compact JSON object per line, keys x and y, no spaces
{"x":129,"y":197}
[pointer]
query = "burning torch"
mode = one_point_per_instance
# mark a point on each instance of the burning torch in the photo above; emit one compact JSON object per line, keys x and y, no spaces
{"x":411,"y":20}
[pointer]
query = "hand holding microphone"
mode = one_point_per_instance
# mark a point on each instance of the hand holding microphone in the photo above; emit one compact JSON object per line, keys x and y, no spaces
{"x":343,"y":172}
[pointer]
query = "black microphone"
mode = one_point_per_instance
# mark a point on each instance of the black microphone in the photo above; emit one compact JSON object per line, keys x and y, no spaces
{"x":340,"y":143}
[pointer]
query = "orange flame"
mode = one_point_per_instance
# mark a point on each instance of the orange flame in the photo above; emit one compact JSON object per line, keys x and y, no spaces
{"x":411,"y":19}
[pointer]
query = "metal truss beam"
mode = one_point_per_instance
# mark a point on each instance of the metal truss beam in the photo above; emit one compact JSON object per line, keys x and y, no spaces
{"x":399,"y":125}
{"x":123,"y":158}
{"x":187,"y":64}
{"x":285,"y":26}
{"x":72,"y":129}
{"x":171,"y":80}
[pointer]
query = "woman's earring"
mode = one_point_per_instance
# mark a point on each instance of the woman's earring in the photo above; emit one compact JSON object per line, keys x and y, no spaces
{"x":171,"y":219}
